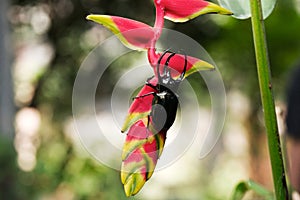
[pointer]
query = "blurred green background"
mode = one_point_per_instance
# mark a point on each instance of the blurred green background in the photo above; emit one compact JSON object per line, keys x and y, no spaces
{"x":43,"y":43}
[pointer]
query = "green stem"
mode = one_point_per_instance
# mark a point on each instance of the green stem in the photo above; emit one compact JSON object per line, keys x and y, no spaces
{"x":265,"y":84}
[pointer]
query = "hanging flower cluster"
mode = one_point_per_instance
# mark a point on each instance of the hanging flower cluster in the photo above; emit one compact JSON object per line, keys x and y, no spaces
{"x":146,"y":125}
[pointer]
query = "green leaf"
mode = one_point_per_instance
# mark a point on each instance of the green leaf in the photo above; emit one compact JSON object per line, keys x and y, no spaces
{"x":241,"y":8}
{"x":243,"y":187}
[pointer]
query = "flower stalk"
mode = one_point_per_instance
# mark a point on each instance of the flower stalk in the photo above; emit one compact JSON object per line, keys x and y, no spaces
{"x":265,"y":84}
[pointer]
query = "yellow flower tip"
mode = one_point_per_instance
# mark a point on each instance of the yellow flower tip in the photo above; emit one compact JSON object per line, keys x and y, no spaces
{"x":89,"y":17}
{"x":218,"y":9}
{"x":124,"y":128}
{"x":133,"y":184}
{"x":129,"y":186}
{"x":202,"y":65}
{"x":131,"y":118}
{"x":92,"y":17}
{"x":101,"y":19}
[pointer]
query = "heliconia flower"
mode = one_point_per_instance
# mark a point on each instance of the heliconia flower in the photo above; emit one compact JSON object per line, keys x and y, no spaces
{"x":141,"y":151}
{"x":133,"y":34}
{"x":182,"y":10}
{"x":144,"y":144}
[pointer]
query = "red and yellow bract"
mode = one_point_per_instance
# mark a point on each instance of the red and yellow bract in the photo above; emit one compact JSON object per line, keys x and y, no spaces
{"x":133,"y":34}
{"x":141,"y":151}
{"x":182,"y":10}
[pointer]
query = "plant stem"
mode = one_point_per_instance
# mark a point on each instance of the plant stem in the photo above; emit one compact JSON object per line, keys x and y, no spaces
{"x":265,"y":84}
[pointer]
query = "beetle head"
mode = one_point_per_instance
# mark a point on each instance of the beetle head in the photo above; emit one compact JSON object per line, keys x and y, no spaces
{"x":166,"y":78}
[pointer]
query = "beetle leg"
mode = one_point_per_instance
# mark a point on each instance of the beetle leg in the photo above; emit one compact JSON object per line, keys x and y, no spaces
{"x":150,"y":93}
{"x":150,"y":85}
{"x":148,"y":79}
{"x":144,"y":95}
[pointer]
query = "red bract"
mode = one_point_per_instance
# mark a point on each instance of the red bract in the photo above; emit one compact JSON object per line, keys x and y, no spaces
{"x":140,"y":107}
{"x":182,"y":10}
{"x":176,"y":64}
{"x":133,"y":34}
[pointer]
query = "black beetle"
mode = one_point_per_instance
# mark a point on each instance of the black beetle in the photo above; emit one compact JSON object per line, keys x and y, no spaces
{"x":165,"y":101}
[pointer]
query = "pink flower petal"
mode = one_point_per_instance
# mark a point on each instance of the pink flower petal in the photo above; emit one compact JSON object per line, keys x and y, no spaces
{"x":133,"y":34}
{"x":182,"y":10}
